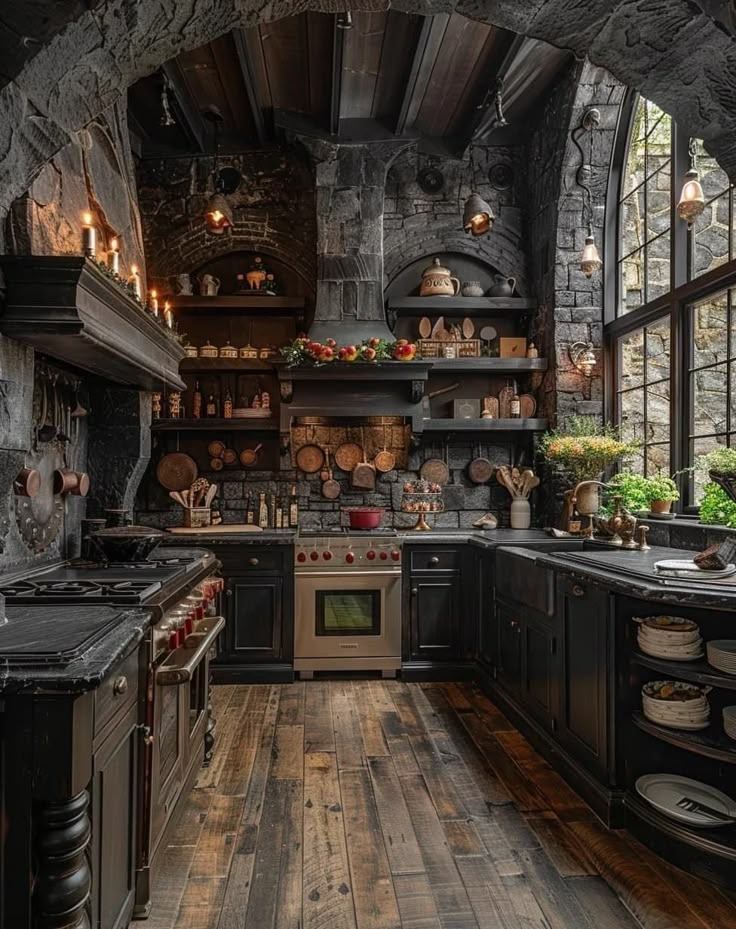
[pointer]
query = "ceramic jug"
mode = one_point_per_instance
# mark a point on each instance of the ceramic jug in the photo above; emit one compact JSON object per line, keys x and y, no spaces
{"x":208,"y":285}
{"x":184,"y":283}
{"x":502,"y":286}
{"x":438,"y":281}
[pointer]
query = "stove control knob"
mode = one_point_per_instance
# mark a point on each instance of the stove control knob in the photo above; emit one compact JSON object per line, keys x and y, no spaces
{"x":370,"y":555}
{"x":349,"y":557}
{"x":383,"y":556}
{"x":327,"y":555}
{"x":301,"y":557}
{"x":314,"y":555}
{"x":396,"y":554}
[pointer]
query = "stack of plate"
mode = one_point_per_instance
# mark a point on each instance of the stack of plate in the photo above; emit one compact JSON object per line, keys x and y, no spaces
{"x":676,"y":705}
{"x":729,"y":721}
{"x":722,"y":655}
{"x":249,"y":412}
{"x":667,"y":792}
{"x":670,"y":637}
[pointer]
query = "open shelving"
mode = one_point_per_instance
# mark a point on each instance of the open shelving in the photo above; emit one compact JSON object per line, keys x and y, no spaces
{"x":710,"y":742}
{"x":207,"y":425}
{"x":487,"y":365}
{"x":255,"y":305}
{"x":485,"y":425}
{"x":460,"y":306}
{"x":225,"y":365}
{"x":698,"y":672}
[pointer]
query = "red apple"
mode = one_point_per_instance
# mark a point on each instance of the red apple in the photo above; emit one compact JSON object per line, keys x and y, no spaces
{"x":369,"y":353}
{"x":327,"y":354}
{"x":374,"y":342}
{"x":330,"y":343}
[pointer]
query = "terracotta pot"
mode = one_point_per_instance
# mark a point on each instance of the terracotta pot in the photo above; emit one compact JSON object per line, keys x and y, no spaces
{"x":660,"y":506}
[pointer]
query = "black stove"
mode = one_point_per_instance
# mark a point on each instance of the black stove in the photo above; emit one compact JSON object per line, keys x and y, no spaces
{"x":90,"y":582}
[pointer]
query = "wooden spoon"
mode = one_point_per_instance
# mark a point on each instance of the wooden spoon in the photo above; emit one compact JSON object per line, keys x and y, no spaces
{"x":425,"y":327}
{"x":468,"y":328}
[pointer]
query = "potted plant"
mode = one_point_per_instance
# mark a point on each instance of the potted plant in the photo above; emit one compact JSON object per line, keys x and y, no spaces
{"x":721,"y":467}
{"x":639,"y":493}
{"x":716,"y":508}
{"x":582,"y":449}
{"x":662,"y":492}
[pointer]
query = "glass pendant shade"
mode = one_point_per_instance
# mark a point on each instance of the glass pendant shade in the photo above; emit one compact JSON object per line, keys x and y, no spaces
{"x":590,"y":260}
{"x":692,"y":199}
{"x":218,"y":215}
{"x":478,"y":216}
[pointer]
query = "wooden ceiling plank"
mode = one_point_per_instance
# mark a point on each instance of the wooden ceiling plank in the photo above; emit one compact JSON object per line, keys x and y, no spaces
{"x":284,"y":50}
{"x":487,"y":117}
{"x":249,"y":80}
{"x":191,"y":119}
{"x":425,"y":56}
{"x":338,"y":55}
{"x":361,"y":60}
{"x":320,"y":30}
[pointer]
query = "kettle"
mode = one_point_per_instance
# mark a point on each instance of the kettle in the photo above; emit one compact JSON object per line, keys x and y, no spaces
{"x":502,"y":286}
{"x":438,"y":281}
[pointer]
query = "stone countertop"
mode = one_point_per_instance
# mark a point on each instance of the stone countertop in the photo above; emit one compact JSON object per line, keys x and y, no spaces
{"x":489,"y":538}
{"x":632,"y":573}
{"x":267,"y":537}
{"x":80,"y":674}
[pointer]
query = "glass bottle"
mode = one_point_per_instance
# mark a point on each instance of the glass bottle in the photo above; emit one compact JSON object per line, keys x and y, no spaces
{"x":293,"y":508}
{"x":197,"y":401}
{"x":211,"y":410}
{"x":227,"y":407}
{"x":262,"y":511}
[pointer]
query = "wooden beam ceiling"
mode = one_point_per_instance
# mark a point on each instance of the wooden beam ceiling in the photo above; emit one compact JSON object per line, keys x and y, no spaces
{"x":246,"y":55}
{"x":423,"y":62}
{"x":191,"y":118}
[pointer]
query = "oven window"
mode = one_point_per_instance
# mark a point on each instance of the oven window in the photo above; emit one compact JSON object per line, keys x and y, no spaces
{"x":348,"y":612}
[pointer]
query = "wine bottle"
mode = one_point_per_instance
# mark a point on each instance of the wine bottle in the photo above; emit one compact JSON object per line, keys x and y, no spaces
{"x":197,"y":401}
{"x":227,"y":407}
{"x":293,"y":508}
{"x":211,"y":409}
{"x":262,"y":512}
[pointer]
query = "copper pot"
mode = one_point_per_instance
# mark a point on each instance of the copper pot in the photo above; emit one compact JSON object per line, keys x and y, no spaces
{"x":27,"y":483}
{"x":66,"y":481}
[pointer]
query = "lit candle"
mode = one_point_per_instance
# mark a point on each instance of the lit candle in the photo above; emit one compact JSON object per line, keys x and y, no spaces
{"x":114,"y":256}
{"x":153,"y":301}
{"x":135,"y":280}
{"x":89,"y":236}
{"x":168,"y":315}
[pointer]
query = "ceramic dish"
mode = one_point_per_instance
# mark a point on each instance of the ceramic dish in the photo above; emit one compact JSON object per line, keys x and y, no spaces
{"x":663,"y":791}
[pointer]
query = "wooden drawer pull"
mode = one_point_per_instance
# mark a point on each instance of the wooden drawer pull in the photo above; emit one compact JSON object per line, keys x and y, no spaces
{"x":434,"y":561}
{"x":578,"y":591}
{"x":120,"y":685}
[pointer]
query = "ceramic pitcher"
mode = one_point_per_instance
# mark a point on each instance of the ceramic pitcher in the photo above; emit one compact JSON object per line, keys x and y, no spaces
{"x":184,"y":283}
{"x":208,"y":285}
{"x":502,"y":286}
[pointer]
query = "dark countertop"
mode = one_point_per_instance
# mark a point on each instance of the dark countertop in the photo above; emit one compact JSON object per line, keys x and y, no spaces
{"x":632,"y":573}
{"x":84,"y":673}
{"x":267,"y":537}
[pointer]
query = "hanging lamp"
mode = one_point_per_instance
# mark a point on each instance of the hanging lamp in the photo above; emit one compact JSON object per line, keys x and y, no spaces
{"x":692,"y":199}
{"x":590,"y":259}
{"x":217,"y":215}
{"x":478,"y":216}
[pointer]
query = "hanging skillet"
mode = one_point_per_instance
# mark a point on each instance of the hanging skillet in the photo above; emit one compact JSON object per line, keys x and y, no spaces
{"x":435,"y":470}
{"x":385,"y":460}
{"x":480,"y":469}
{"x":330,"y":488}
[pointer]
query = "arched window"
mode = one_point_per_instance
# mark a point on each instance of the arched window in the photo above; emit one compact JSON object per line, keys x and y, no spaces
{"x":670,"y":297}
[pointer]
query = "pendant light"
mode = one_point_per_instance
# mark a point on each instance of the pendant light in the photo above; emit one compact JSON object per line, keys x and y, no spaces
{"x":692,"y":199}
{"x":478,"y":216}
{"x":590,"y":259}
{"x":218,"y":216}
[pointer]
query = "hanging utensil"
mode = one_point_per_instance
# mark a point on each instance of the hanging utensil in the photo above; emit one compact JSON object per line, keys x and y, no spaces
{"x":435,"y":470}
{"x":348,"y":455}
{"x":363,"y":475}
{"x":385,"y":460}
{"x":480,"y":469}
{"x":249,"y":456}
{"x":176,"y":471}
{"x":425,"y":327}
{"x":310,"y":457}
{"x":330,"y":488}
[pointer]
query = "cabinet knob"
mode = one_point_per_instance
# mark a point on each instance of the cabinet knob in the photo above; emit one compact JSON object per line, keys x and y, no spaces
{"x":578,"y":591}
{"x":120,"y":685}
{"x":414,"y":591}
{"x":254,"y":562}
{"x":228,"y":593}
{"x":514,"y":624}
{"x":434,"y":560}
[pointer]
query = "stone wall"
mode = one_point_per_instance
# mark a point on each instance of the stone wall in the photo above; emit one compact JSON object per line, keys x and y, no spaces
{"x":94,"y":171}
{"x":273,"y":207}
{"x":572,"y":305}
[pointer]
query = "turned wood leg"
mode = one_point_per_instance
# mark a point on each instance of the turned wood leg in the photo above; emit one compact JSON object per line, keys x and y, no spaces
{"x":63,"y":880}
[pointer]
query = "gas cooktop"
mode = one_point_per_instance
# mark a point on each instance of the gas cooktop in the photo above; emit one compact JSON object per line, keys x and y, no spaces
{"x":344,"y":531}
{"x":125,"y":583}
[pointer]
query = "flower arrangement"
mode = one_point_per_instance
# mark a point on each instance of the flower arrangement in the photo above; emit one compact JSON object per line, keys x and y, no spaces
{"x":584,"y":448}
{"x":305,"y":351}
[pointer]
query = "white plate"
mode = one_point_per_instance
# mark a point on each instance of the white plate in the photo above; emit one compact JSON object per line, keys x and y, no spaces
{"x":678,"y":724}
{"x":690,"y":569}
{"x":725,"y":646}
{"x":664,"y":790}
{"x":655,"y":653}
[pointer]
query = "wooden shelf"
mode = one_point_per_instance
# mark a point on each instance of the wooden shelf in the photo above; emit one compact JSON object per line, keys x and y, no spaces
{"x":720,"y":841}
{"x":485,"y":425}
{"x":710,"y":742}
{"x":699,"y":672}
{"x":487,"y":365}
{"x":256,"y":306}
{"x":243,"y":365}
{"x":219,"y":425}
{"x":460,"y":306}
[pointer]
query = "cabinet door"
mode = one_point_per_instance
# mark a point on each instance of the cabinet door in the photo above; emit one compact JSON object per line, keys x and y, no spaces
{"x":114,"y":820}
{"x":508,"y":664}
{"x":485,"y":611}
{"x":254,"y":619}
{"x":435,"y":616}
{"x":584,"y":681}
{"x":540,"y":669}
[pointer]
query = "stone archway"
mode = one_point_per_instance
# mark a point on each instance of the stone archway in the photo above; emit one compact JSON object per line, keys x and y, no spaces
{"x":670,"y":50}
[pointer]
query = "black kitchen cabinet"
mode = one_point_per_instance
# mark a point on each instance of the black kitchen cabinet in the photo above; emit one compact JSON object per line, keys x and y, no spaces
{"x":258,"y":641}
{"x":508,"y":662}
{"x":583,"y":613}
{"x":113,"y":812}
{"x":484,"y":608}
{"x":435,"y":617}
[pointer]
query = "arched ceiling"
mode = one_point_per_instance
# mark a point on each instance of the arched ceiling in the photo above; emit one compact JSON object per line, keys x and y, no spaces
{"x":64,"y":63}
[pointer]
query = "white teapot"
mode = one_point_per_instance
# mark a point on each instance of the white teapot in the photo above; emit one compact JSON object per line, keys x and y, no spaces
{"x":208,"y":285}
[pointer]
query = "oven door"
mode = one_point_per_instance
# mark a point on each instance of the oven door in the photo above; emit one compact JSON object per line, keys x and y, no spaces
{"x":353,"y":614}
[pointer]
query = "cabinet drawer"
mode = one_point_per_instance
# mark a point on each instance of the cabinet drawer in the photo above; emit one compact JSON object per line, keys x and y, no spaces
{"x":117,"y":691}
{"x":434,"y":559}
{"x":520,"y":579}
{"x":249,"y":558}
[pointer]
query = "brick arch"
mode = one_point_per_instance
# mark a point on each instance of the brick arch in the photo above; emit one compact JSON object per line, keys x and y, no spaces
{"x":673,"y":52}
{"x":500,"y":249}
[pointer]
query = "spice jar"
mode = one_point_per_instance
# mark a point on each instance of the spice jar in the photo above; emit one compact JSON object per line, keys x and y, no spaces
{"x":174,"y":399}
{"x":191,"y":350}
{"x":228,"y":351}
{"x":248,"y":351}
{"x":208,"y":350}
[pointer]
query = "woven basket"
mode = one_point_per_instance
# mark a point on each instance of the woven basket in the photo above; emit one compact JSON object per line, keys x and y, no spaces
{"x":435,"y":348}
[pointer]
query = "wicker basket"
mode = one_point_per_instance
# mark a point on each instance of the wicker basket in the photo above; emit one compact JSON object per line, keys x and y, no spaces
{"x":197,"y":517}
{"x":436,"y":348}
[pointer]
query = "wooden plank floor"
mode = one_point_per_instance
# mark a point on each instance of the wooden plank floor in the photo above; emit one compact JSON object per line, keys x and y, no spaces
{"x":383,"y":805}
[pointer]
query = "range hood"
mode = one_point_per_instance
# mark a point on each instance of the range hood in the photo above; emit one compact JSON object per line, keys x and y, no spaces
{"x":69,"y":309}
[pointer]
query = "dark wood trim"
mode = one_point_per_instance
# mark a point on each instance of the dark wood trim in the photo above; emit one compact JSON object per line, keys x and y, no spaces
{"x":191,"y":119}
{"x":240,"y":38}
{"x":252,"y":674}
{"x":338,"y":54}
{"x":425,"y":56}
{"x":485,"y":119}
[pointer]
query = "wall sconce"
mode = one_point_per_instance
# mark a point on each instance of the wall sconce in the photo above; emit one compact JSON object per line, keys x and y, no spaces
{"x":478,"y":216}
{"x":590,"y":260}
{"x":582,"y":355}
{"x":692,"y":199}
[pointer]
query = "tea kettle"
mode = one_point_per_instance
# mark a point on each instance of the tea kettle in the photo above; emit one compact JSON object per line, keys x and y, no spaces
{"x":502,"y":286}
{"x":438,"y":281}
